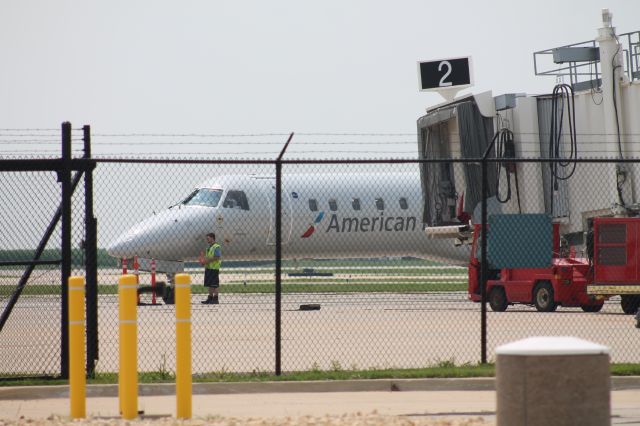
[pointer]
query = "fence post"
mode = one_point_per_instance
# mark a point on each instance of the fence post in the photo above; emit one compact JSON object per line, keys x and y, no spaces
{"x":67,"y":192}
{"x":483,"y":265}
{"x":91,"y":256}
{"x":278,"y":268}
{"x":279,"y":257}
{"x":484,"y":269}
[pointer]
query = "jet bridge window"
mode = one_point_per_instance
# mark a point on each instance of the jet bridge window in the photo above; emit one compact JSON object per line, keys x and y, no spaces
{"x":403,"y":203}
{"x":236,"y":200}
{"x":313,"y":205}
{"x":379,"y":203}
{"x":203,"y":197}
{"x":333,"y":205}
{"x":355,"y":203}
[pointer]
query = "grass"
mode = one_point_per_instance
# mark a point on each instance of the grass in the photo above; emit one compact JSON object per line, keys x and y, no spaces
{"x":297,"y":286}
{"x":443,"y":369}
{"x":407,"y":275}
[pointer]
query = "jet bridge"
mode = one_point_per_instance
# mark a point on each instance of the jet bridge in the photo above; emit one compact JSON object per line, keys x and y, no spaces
{"x":594,"y":115}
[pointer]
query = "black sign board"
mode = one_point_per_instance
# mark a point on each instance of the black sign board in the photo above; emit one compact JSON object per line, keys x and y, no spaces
{"x":445,"y":73}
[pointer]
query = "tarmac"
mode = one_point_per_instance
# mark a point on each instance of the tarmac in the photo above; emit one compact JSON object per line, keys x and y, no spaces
{"x":413,"y":398}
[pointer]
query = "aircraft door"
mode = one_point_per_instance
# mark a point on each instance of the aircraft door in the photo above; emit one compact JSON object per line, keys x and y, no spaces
{"x":286,"y":216}
{"x":235,"y":221}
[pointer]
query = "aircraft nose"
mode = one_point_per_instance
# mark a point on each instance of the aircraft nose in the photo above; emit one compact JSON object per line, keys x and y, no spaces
{"x":146,"y":238}
{"x":176,"y":234}
{"x":123,"y":246}
{"x":150,"y":238}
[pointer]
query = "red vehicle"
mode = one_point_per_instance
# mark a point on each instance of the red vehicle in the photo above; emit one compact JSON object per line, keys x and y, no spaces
{"x":570,"y":281}
{"x":616,"y":260}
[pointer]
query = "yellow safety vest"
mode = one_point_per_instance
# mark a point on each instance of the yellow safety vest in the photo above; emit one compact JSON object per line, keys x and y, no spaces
{"x":210,"y":251}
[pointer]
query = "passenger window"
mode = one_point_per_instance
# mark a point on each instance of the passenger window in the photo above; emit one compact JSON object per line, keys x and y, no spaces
{"x":313,"y":205}
{"x":355,"y":203}
{"x":236,"y":200}
{"x":403,"y":203}
{"x":379,"y":203}
{"x":333,"y":205}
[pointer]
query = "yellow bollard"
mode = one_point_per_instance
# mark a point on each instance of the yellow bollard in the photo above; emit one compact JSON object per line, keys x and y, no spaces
{"x":128,"y":375}
{"x":77,"y":330}
{"x":183,"y":346}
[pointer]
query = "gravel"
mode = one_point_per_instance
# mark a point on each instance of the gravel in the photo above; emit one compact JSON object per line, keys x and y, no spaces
{"x":359,"y":419}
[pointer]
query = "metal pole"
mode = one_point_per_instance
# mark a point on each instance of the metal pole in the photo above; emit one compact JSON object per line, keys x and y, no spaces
{"x":483,"y":248}
{"x":483,"y":266}
{"x":279,"y":258}
{"x":67,"y":192}
{"x":278,"y":268}
{"x":91,"y":259}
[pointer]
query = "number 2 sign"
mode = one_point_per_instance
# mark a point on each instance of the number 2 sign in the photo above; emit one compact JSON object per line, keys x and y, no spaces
{"x":445,"y":73}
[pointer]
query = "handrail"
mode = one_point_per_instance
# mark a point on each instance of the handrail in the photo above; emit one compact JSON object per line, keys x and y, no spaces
{"x":630,"y":47}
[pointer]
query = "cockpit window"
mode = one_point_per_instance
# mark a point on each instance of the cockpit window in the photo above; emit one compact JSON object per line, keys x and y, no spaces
{"x":236,"y":200}
{"x":204,"y":197}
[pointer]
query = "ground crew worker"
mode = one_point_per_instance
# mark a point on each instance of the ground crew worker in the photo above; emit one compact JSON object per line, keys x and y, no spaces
{"x":211,"y":260}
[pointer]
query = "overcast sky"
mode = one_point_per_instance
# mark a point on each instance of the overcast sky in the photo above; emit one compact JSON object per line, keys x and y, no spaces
{"x":268,"y":66}
{"x":255,"y":67}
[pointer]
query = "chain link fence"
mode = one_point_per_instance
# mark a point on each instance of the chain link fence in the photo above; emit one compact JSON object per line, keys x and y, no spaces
{"x":39,"y":306}
{"x":363,"y":285}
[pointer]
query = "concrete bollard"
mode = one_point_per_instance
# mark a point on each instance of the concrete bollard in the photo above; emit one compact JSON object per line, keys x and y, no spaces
{"x":543,"y":381}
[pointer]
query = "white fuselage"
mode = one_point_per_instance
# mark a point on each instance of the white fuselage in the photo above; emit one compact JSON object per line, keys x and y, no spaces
{"x":322,"y":216}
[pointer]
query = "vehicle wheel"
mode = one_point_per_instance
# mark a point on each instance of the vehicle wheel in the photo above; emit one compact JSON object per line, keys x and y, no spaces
{"x":168,"y":296}
{"x":543,"y":297}
{"x":592,"y":308}
{"x":630,"y":303}
{"x":498,"y":299}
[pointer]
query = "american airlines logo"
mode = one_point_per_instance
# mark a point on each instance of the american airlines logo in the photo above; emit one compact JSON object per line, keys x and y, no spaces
{"x":312,"y":227}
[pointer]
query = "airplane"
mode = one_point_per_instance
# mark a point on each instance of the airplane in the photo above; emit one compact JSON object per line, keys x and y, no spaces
{"x":324,"y":216}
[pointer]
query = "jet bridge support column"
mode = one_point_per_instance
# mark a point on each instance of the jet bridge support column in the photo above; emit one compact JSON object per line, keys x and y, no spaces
{"x":612,"y":74}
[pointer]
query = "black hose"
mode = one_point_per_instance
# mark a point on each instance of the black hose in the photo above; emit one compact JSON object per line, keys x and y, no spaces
{"x":505,"y":149}
{"x":560,"y":92}
{"x":568,"y":163}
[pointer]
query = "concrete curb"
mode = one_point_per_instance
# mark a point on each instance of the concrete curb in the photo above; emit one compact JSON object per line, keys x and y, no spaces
{"x":378,"y":385}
